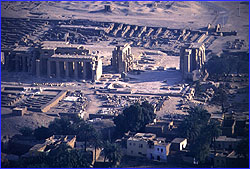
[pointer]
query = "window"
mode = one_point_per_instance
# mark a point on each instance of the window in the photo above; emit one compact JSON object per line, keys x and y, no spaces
{"x":130,"y":144}
{"x":131,"y":151}
{"x":161,"y":150}
{"x":139,"y":153}
{"x":158,"y":149}
{"x":140,"y":145}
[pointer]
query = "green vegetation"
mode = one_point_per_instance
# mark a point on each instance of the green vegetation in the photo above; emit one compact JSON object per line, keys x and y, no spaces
{"x":62,"y":156}
{"x":134,"y":118}
{"x":221,"y":97}
{"x":26,"y":131}
{"x":113,"y":153}
{"x":200,"y":132}
{"x":242,"y":150}
{"x":70,"y":126}
{"x":42,"y":133}
{"x":63,"y":126}
{"x":227,"y":63}
{"x":86,"y":133}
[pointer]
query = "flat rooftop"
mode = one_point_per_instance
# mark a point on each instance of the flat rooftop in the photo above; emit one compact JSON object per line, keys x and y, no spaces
{"x":22,"y":49}
{"x":196,"y":45}
{"x":225,"y":138}
{"x":72,"y":56}
{"x":142,"y":136}
{"x":178,"y":140}
{"x":58,"y":44}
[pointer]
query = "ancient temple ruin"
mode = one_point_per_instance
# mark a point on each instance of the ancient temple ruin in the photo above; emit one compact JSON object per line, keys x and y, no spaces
{"x":56,"y":59}
{"x":122,"y":59}
{"x":192,"y":59}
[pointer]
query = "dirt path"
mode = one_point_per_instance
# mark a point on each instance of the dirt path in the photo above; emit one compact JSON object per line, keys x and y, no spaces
{"x":94,"y":104}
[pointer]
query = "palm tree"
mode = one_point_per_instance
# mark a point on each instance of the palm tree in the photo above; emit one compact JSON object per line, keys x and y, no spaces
{"x":192,"y":125}
{"x":113,"y":153}
{"x":64,"y":156}
{"x":214,"y":130}
{"x":96,"y":141}
{"x":194,"y":128}
{"x":63,"y":126}
{"x":190,"y":129}
{"x":86,"y":133}
{"x":222,"y":97}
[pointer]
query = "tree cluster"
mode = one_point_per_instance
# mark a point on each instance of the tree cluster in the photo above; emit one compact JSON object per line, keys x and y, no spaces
{"x":70,"y":126}
{"x":63,"y":156}
{"x":134,"y":118}
{"x":113,"y":153}
{"x":200,"y":132}
{"x":226,"y":64}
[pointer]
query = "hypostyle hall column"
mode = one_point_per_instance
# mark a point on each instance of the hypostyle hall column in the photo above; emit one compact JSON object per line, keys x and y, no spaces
{"x":76,"y":70}
{"x":28,"y":64}
{"x":48,"y":68}
{"x":17,"y":64}
{"x":33,"y":63}
{"x":24,"y":63}
{"x":57,"y":69}
{"x":38,"y":67}
{"x":67,"y":69}
{"x":84,"y":70}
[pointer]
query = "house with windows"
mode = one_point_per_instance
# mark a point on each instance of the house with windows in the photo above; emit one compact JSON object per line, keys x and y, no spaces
{"x":137,"y":145}
{"x":158,"y":150}
{"x":51,"y":143}
{"x":226,"y":143}
{"x":230,"y":159}
{"x":161,"y":128}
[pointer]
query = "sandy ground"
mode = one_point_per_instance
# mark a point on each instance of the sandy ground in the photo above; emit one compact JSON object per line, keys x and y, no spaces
{"x":94,"y":104}
{"x":188,"y":14}
{"x":143,"y":13}
{"x":237,"y":22}
{"x":10,"y":125}
{"x":152,"y":81}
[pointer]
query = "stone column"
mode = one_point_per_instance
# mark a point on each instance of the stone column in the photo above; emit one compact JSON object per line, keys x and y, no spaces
{"x":48,"y":68}
{"x":84,"y":70}
{"x":38,"y":67}
{"x":33,"y":62}
{"x":28,"y":65}
{"x":6,"y":61}
{"x":67,"y":69}
{"x":70,"y":64}
{"x":17,"y":64}
{"x":93,"y":69}
{"x":57,"y":69}
{"x":76,"y":70}
{"x":24,"y":63}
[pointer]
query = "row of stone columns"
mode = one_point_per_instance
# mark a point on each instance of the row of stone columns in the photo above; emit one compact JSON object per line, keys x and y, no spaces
{"x":21,"y":63}
{"x":67,"y":69}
